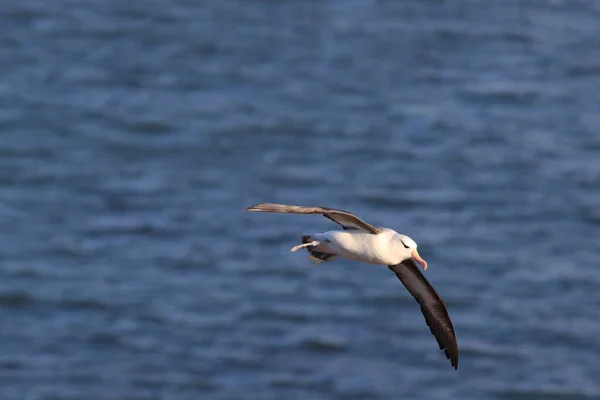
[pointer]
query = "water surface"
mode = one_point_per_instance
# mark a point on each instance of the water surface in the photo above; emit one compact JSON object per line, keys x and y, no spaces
{"x":133,"y":136}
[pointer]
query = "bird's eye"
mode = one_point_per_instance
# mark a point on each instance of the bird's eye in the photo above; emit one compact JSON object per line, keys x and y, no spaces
{"x":405,"y":246}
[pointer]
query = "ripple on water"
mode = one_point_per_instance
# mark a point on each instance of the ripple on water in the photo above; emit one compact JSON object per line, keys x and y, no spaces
{"x":84,"y":304}
{"x":17,"y":299}
{"x":278,"y":313}
{"x":150,"y":127}
{"x":546,"y":394}
{"x":324,"y":344}
{"x":105,"y":339}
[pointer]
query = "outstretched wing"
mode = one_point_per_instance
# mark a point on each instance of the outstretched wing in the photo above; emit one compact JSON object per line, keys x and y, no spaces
{"x":432,"y":307}
{"x":344,"y":218}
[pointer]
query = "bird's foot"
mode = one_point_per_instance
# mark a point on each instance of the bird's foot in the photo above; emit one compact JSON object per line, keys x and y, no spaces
{"x":304,"y":245}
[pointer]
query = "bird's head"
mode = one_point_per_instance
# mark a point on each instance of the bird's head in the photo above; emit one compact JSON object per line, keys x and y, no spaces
{"x":409,"y":249}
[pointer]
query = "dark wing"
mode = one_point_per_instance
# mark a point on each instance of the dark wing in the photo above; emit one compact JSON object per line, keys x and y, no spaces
{"x":432,"y":307}
{"x":344,"y":218}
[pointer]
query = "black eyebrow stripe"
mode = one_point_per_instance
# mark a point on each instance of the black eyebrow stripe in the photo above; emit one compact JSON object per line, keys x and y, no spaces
{"x":405,"y":246}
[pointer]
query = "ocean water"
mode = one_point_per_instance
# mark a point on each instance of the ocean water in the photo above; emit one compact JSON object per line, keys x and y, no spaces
{"x":134,"y":134}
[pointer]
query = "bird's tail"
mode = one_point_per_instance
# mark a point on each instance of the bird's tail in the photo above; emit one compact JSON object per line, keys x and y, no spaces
{"x":317,"y":257}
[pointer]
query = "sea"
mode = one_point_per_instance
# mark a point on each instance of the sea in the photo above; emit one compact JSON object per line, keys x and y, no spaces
{"x":134,"y":134}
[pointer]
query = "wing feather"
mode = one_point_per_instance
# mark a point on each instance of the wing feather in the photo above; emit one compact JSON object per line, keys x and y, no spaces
{"x":344,"y":218}
{"x":432,"y":307}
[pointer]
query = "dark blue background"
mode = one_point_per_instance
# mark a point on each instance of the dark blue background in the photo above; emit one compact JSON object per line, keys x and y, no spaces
{"x":133,"y":134}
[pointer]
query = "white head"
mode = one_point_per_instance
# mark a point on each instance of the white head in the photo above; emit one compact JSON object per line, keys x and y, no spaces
{"x":408,"y":247}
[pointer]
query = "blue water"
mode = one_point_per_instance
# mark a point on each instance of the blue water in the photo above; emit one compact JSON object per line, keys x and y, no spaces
{"x":133,"y":135}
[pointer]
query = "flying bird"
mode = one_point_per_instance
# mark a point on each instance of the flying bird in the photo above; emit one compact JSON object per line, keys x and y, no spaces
{"x":361,"y":241}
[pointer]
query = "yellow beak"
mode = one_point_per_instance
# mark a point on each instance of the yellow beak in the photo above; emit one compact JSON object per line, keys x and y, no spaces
{"x":417,"y":258}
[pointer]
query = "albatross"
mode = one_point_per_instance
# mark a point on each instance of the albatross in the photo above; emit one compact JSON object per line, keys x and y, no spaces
{"x":361,"y":241}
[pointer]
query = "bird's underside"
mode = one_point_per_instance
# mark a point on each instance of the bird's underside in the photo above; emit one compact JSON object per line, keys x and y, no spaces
{"x":431,"y":303}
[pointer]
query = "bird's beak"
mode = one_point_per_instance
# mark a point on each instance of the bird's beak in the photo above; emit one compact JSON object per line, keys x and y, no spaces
{"x":417,"y":258}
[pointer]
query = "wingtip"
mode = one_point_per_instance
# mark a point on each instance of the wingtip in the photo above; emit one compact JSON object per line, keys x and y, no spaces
{"x":451,"y":353}
{"x":255,"y":207}
{"x":268,"y":207}
{"x":453,"y":360}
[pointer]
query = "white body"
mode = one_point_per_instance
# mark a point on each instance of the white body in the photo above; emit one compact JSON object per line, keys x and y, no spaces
{"x":383,"y":248}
